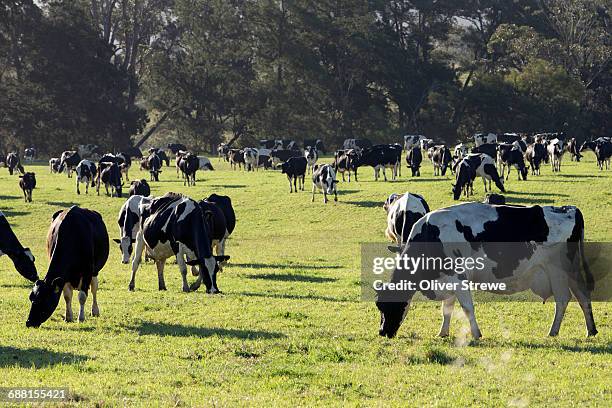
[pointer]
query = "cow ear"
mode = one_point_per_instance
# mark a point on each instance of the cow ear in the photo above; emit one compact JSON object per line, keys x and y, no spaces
{"x":58,"y":284}
{"x":54,"y":216}
{"x":394,"y":249}
{"x":117,"y":240}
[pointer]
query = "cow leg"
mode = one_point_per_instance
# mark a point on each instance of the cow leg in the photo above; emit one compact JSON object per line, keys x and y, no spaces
{"x":136,"y":261}
{"x":560,"y":306}
{"x":302,"y":180}
{"x":290,"y":185}
{"x":447,"y":312}
{"x":82,"y":300}
{"x":585,"y":304}
{"x":77,"y":183}
{"x":384,"y":173}
{"x":335,"y":194}
{"x":68,"y":299}
{"x":465,"y":300}
{"x":313,"y":191}
{"x":180,"y":261}
{"x":161,"y":285}
{"x":95,"y":310}
{"x":324,"y":195}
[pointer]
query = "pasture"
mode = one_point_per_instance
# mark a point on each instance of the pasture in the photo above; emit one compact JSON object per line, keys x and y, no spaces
{"x":290,"y":328}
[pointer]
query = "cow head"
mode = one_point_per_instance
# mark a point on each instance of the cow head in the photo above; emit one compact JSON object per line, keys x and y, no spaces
{"x":392,"y":315}
{"x":125,"y":245}
{"x":390,"y":200}
{"x":208,"y":272}
{"x":44,"y":297}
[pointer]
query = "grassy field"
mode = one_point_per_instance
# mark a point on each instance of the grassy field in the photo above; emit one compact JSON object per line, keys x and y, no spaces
{"x":290,"y":328}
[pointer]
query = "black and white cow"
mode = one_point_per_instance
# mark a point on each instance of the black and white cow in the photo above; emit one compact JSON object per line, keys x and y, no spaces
{"x":538,"y":265}
{"x":235,"y":158}
{"x":403,"y":210}
{"x":124,"y":163}
{"x":13,"y":162}
{"x":346,"y":161}
{"x":54,"y":165}
{"x":324,"y":178}
{"x":251,"y":158}
{"x":86,"y":172}
{"x":295,"y":169}
{"x":189,"y":165}
{"x":140,"y":187}
{"x":27,"y":183}
{"x":153,"y":164}
{"x":225,"y":204}
{"x":460,"y":151}
{"x":163,"y":157}
{"x":481,"y":138}
{"x":218,"y":217}
{"x":512,"y":157}
{"x":281,"y":156}
{"x":381,"y":157}
{"x":29,"y":154}
{"x":68,"y":161}
{"x":602,"y":149}
{"x":176,"y":147}
{"x":414,"y":158}
{"x":412,"y":140}
{"x":555,"y":151}
{"x":573,"y":149}
{"x":77,"y":245}
{"x":131,"y":240}
{"x":536,"y":153}
{"x":356,"y":144}
{"x":487,"y":148}
{"x":110,"y":175}
{"x":10,"y":246}
{"x":222,"y":150}
{"x":441,"y":158}
{"x":474,"y":165}
{"x":311,"y":156}
{"x":174,"y":226}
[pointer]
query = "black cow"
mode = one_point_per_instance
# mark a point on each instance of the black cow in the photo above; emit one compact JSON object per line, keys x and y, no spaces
{"x":487,"y":148}
{"x":295,"y":169}
{"x":441,"y":158}
{"x":511,"y":156}
{"x":86,"y":172}
{"x":110,"y":175}
{"x":221,"y":220}
{"x":174,"y":224}
{"x":69,"y":160}
{"x":22,"y":257}
{"x":381,"y":157}
{"x":346,"y":161}
{"x":77,"y":245}
{"x":225,"y":203}
{"x":175,"y":147}
{"x":602,"y":149}
{"x":13,"y":162}
{"x":264,"y":161}
{"x":189,"y":164}
{"x":27,"y":182}
{"x":414,"y":158}
{"x":281,"y":156}
{"x":235,"y":158}
{"x":536,"y":153}
{"x":548,"y":246}
{"x":163,"y":157}
{"x":140,"y":187}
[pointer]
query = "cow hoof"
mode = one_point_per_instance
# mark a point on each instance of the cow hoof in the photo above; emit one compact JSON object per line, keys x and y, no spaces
{"x":592,"y":333}
{"x":69,"y":319}
{"x":443,"y":334}
{"x":131,"y":288}
{"x":186,"y":289}
{"x":95,"y":312}
{"x":553,"y":333}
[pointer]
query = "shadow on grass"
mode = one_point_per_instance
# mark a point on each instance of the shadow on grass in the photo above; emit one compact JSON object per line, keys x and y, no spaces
{"x":287,"y":277}
{"x":535,"y":193}
{"x":7,"y":197}
{"x":578,"y":348}
{"x":178,"y":330}
{"x":527,"y":200}
{"x":365,"y":204}
{"x":229,"y":185}
{"x":288,"y":266}
{"x":36,"y":357}
{"x":578,"y":176}
{"x":61,"y":204}
{"x":10,"y":213}
{"x":295,"y":297}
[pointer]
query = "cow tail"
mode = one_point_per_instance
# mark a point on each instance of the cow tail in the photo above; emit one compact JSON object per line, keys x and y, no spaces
{"x":590,"y":281}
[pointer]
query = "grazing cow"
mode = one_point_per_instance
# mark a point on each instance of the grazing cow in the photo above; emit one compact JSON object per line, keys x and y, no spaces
{"x":460,"y":151}
{"x":555,"y":151}
{"x":476,"y":165}
{"x":22,"y":257}
{"x":513,"y":157}
{"x":381,"y":157}
{"x":77,"y":245}
{"x":163,"y":157}
{"x":311,"y":156}
{"x":324,"y":178}
{"x":414,"y":158}
{"x":27,"y":182}
{"x":110,"y":175}
{"x":130,"y":232}
{"x":86,"y":173}
{"x":204,"y":164}
{"x":403,"y":210}
{"x":295,"y":169}
{"x":140,"y":187}
{"x":481,"y":138}
{"x":602,"y":149}
{"x":535,"y":154}
{"x":251,"y":159}
{"x":488,"y":148}
{"x":346,"y":161}
{"x":222,"y":150}
{"x":412,"y":140}
{"x":542,"y":268}
{"x":29,"y":154}
{"x":235,"y":157}
{"x":152,"y":163}
{"x":174,"y":225}
{"x":68,"y":161}
{"x":573,"y":149}
{"x":225,"y":204}
{"x":218,"y":225}
{"x":176,"y":147}
{"x":13,"y":162}
{"x":281,"y":156}
{"x":189,"y":164}
{"x":356,"y":144}
{"x":124,"y":162}
{"x":494,"y":199}
{"x":441,"y":158}
{"x":316,"y":143}
{"x":54,"y":165}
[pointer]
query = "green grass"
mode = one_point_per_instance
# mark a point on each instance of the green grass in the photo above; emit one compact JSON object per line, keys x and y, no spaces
{"x":290,"y":328}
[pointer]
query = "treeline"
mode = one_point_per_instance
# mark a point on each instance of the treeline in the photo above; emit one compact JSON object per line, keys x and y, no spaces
{"x":114,"y":72}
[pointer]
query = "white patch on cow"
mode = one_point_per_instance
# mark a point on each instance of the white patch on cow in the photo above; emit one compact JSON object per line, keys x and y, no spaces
{"x":466,"y":212}
{"x":408,"y":202}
